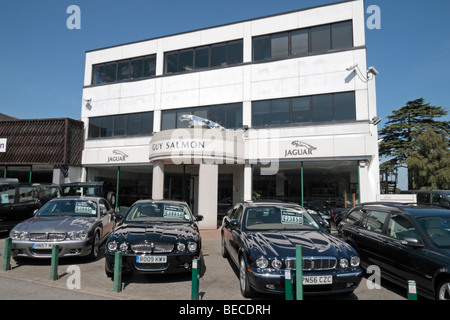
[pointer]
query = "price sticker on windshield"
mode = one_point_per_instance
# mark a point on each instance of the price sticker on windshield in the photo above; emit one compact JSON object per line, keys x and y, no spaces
{"x":173,"y":212}
{"x":291,"y":217}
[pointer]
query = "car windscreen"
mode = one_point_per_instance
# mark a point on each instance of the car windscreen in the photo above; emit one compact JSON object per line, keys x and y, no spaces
{"x":278,"y":218}
{"x":69,"y":207}
{"x":159,"y":212}
{"x":437,"y":228}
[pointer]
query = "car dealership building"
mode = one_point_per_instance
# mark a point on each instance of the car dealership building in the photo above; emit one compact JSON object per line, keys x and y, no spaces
{"x":284,"y":106}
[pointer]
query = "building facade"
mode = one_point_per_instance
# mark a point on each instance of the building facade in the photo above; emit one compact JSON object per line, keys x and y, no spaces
{"x":280,"y":107}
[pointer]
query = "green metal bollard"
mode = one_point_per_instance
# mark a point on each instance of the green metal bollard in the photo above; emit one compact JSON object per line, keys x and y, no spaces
{"x":412,"y":290}
{"x":118,"y":272}
{"x":299,"y":271}
{"x":7,"y":256}
{"x":54,"y":266}
{"x":195,"y":279}
{"x":288,"y":284}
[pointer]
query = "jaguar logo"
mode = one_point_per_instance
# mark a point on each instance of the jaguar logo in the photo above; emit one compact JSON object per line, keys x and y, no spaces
{"x":300,"y":149}
{"x":118,"y":156}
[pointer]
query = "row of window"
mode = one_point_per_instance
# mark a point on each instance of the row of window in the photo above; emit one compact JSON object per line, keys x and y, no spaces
{"x":133,"y":124}
{"x":333,"y":107}
{"x":308,"y":109}
{"x":299,"y":42}
{"x":303,"y":41}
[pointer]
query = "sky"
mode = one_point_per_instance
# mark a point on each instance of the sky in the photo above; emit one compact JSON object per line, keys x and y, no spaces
{"x":42,"y":60}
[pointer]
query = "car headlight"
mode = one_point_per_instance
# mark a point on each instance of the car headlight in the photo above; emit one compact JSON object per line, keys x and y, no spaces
{"x":354,"y":261}
{"x":19,"y":235}
{"x":123,"y":247}
{"x":262,"y":262}
{"x":77,"y":235}
{"x":343,"y":263}
{"x":276,"y":264}
{"x":112,"y":246}
{"x":192,"y":246}
{"x":181,"y":246}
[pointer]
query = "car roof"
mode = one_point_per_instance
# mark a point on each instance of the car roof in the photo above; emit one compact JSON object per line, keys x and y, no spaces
{"x":269,"y":202}
{"x":162,"y":200}
{"x":414,"y":209}
{"x":77,"y":197}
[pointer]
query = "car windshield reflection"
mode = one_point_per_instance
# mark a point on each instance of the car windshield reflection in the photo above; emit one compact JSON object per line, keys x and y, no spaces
{"x":278,"y":218}
{"x":72,"y":207}
{"x":158,"y":213}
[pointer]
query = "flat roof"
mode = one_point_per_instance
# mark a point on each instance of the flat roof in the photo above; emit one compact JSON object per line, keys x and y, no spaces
{"x":222,"y":25}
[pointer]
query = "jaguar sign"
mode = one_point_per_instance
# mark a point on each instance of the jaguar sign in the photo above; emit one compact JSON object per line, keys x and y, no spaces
{"x":299,"y":149}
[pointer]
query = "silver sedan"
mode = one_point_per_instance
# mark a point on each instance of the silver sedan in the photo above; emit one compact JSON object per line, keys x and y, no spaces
{"x":78,"y":225}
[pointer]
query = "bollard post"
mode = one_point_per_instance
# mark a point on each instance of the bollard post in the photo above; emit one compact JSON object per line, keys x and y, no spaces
{"x":195,"y":278}
{"x":7,"y":256}
{"x":299,"y":271}
{"x":288,"y":284}
{"x":412,"y":290}
{"x":118,"y":271}
{"x":54,"y":266}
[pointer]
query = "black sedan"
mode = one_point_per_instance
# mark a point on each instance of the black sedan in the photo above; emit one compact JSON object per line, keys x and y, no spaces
{"x":155,"y":237}
{"x":261,"y":239}
{"x":407,"y":242}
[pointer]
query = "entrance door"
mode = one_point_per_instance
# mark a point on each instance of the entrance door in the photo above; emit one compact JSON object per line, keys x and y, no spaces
{"x":180,"y":183}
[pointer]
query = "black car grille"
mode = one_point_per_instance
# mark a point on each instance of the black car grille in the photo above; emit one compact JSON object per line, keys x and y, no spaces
{"x":153,"y":247}
{"x":313,"y":263}
{"x":47,"y":236}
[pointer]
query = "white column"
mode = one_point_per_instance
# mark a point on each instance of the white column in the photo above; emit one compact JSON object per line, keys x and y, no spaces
{"x":207,"y":195}
{"x":158,"y":180}
{"x":248,"y":182}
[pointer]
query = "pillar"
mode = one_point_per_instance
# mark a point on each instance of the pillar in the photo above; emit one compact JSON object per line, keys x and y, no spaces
{"x":158,"y":180}
{"x":207,"y":195}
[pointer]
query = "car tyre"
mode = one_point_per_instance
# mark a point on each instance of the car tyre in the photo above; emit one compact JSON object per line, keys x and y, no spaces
{"x":246,"y":290}
{"x":443,"y":290}
{"x":223,"y":248}
{"x":95,"y":247}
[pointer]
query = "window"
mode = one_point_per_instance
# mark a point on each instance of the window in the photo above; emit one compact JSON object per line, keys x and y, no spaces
{"x":133,"y":124}
{"x":400,"y":228}
{"x":299,"y":42}
{"x":309,"y":109}
{"x":374,"y":221}
{"x":216,"y":55}
{"x":227,"y":115}
{"x":354,"y":217}
{"x":123,"y":70}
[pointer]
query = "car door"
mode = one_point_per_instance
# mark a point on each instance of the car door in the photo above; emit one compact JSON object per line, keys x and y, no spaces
{"x":231,"y":232}
{"x":106,"y":217}
{"x":407,"y":262}
{"x":7,"y":200}
{"x":26,"y":203}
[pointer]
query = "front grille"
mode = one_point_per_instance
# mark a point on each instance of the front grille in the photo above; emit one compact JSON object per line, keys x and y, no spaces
{"x":313,"y":263}
{"x":47,"y":236}
{"x":153,"y":247}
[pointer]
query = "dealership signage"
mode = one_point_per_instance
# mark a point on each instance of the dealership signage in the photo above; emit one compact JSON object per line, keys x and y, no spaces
{"x":118,"y":156}
{"x":2,"y":144}
{"x":299,"y":148}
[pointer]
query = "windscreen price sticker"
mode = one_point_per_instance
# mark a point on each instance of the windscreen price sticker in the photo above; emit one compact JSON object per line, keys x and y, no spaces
{"x":173,"y":212}
{"x":290,"y":217}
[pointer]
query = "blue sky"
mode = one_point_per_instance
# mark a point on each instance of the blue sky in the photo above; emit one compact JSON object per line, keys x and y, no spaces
{"x":42,"y":61}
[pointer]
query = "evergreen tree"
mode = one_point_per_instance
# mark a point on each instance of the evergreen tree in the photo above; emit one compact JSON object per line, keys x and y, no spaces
{"x":401,"y":131}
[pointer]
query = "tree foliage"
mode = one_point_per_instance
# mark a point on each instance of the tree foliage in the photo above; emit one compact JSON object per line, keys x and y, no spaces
{"x":402,"y":130}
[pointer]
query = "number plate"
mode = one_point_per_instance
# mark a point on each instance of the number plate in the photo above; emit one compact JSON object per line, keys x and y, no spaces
{"x":43,"y":245}
{"x":317,"y":280}
{"x":151,"y":259}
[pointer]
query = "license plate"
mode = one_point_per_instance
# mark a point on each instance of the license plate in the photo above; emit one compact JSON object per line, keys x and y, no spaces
{"x":317,"y":280}
{"x":151,"y":259}
{"x":43,"y":245}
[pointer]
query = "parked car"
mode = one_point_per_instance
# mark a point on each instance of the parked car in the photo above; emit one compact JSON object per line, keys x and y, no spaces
{"x":433,"y":197}
{"x":93,"y":189}
{"x":18,"y":201}
{"x":261,"y":238}
{"x":407,"y":242}
{"x":77,"y":224}
{"x":155,"y":237}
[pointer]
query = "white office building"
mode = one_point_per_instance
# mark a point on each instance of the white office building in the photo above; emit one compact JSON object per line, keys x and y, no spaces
{"x":290,"y":100}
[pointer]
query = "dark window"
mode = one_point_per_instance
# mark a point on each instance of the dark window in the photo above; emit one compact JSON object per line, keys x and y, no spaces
{"x":123,"y":70}
{"x":218,"y":55}
{"x":234,"y":116}
{"x":235,"y":52}
{"x":120,"y":125}
{"x":168,"y":119}
{"x":301,"y":110}
{"x":172,"y":62}
{"x":342,"y":35}
{"x":280,"y":112}
{"x":201,"y":112}
{"x":146,"y":123}
{"x":354,"y":217}
{"x":344,"y":106}
{"x":300,"y":42}
{"x":320,"y":38}
{"x":280,"y":45}
{"x":99,"y":74}
{"x":111,"y":72}
{"x":106,"y":128}
{"x":150,"y":66}
{"x":322,"y":108}
{"x":375,"y":221}
{"x":134,"y":124}
{"x":261,"y":48}
{"x":218,"y":115}
{"x":180,"y":112}
{"x":261,"y":113}
{"x":137,"y":68}
{"x":201,"y":58}
{"x":186,"y":60}
{"x":94,"y":127}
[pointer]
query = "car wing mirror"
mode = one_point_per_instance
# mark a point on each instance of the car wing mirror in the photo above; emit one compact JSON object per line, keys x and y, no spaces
{"x":234,"y":223}
{"x":35,"y":212}
{"x":411,"y":242}
{"x":198,"y":218}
